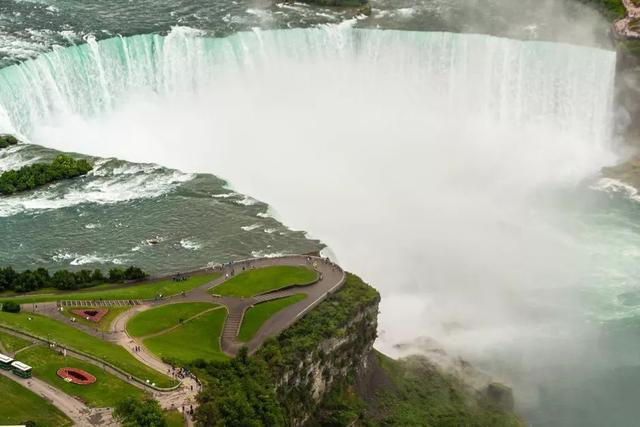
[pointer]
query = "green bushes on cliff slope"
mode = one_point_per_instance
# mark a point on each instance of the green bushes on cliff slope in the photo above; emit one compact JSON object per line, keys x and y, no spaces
{"x":7,"y":140}
{"x":410,"y":392}
{"x":39,"y":174}
{"x":247,"y":391}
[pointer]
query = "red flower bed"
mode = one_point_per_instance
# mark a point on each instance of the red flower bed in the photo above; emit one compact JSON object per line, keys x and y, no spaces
{"x":93,"y":314}
{"x":76,"y":376}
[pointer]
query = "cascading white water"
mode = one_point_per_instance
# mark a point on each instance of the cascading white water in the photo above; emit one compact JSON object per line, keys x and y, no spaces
{"x":511,"y":81}
{"x":424,"y":160}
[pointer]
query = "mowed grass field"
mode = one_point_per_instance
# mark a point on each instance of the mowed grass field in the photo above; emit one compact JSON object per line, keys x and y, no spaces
{"x":12,"y":343}
{"x":255,"y":317}
{"x":198,"y":338}
{"x":164,"y":317}
{"x":19,"y":405}
{"x":143,"y":290}
{"x":104,"y":324}
{"x":105,"y":392}
{"x":46,"y":328}
{"x":267,"y":279}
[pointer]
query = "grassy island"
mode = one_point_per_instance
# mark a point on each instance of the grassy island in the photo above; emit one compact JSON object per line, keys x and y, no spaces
{"x":40,"y":174}
{"x":268,"y":279}
{"x":7,"y":140}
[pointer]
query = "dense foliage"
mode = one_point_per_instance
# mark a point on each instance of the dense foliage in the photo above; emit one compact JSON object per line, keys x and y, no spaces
{"x":39,"y":174}
{"x":28,"y":280}
{"x":11,"y":307}
{"x":139,"y":413}
{"x":239,"y":393}
{"x":417,"y":393}
{"x":7,"y":140}
{"x":243,"y":392}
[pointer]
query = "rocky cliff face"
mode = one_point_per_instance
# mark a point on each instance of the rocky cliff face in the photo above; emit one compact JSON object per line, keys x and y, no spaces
{"x":334,"y":360}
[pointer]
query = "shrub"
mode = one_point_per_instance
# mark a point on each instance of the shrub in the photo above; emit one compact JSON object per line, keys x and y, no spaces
{"x":139,"y":413}
{"x":11,"y":307}
{"x":7,"y":140}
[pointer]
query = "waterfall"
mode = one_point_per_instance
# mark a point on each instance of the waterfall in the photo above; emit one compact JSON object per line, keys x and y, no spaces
{"x":514,"y":81}
{"x":430,"y":163}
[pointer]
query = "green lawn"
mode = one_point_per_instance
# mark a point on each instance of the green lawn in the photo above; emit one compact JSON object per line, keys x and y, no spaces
{"x":105,"y":392}
{"x":196,"y":339}
{"x":104,"y":324}
{"x":174,"y":418}
{"x":46,"y":328}
{"x":144,"y":290}
{"x":260,"y":313}
{"x":19,"y":405}
{"x":261,"y":280}
{"x":164,"y":317}
{"x":12,"y":343}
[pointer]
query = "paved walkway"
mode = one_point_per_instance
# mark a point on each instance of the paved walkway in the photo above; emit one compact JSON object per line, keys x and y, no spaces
{"x":82,"y":415}
{"x":330,"y":278}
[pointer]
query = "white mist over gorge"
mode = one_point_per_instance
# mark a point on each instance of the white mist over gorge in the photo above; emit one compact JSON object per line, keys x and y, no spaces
{"x":453,"y":171}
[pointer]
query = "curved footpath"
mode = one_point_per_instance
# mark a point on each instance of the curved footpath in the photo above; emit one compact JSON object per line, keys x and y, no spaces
{"x":330,"y":277}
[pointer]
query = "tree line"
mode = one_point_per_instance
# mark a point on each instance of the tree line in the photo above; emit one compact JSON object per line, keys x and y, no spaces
{"x":39,"y":174}
{"x":7,"y":140}
{"x":32,"y":280}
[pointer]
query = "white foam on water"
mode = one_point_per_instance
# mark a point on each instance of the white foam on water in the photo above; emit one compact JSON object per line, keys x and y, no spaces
{"x":265,"y":254}
{"x":108,"y":190}
{"x":76,"y":259}
{"x":96,"y":259}
{"x":190,"y":245}
{"x":224,"y":195}
{"x":250,"y":227}
{"x":612,"y":185}
{"x":247,"y":201}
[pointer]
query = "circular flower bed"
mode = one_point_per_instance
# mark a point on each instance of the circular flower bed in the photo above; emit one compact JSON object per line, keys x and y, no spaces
{"x":76,"y":376}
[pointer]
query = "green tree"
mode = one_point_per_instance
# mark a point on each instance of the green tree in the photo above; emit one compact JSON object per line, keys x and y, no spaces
{"x":240,"y":394}
{"x":7,"y":140}
{"x":139,"y":413}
